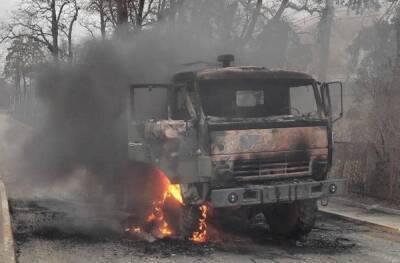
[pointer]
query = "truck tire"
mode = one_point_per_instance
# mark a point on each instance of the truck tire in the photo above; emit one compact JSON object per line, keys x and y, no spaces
{"x":189,"y":221}
{"x":293,"y":220}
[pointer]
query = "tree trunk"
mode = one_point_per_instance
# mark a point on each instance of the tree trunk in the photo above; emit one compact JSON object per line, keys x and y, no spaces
{"x":396,"y":70}
{"x":25,"y":84}
{"x":274,"y":38}
{"x":253,"y":22}
{"x":325,"y":28}
{"x":102,"y":19}
{"x":139,"y":16}
{"x":276,"y":18}
{"x":161,"y":10}
{"x":173,"y":9}
{"x":17,"y":83}
{"x":70,"y":30}
{"x":54,"y":30}
{"x":280,"y":11}
{"x":122,"y":18}
{"x":122,"y":12}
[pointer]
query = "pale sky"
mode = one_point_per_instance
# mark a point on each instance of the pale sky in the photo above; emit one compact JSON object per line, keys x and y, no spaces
{"x":5,"y":7}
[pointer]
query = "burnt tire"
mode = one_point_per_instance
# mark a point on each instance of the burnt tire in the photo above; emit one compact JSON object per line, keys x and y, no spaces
{"x":189,"y":221}
{"x":293,"y":220}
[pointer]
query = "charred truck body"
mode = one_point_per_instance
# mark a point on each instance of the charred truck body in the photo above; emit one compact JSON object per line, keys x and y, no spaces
{"x":240,"y":138}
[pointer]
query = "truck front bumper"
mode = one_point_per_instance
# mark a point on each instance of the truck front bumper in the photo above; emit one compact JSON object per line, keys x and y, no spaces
{"x":279,"y":193}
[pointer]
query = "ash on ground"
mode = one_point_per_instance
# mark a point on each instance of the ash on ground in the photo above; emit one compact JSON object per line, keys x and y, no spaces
{"x":33,"y":220}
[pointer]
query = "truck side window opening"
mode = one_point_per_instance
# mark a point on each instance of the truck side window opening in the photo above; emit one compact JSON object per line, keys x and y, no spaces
{"x":180,"y":111}
{"x":302,"y":99}
{"x":149,"y":103}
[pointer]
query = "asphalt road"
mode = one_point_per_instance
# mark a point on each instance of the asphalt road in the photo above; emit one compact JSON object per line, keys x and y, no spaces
{"x":331,"y":241}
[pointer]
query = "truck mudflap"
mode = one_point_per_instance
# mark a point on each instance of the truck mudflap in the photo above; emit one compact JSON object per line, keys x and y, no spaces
{"x":269,"y":194}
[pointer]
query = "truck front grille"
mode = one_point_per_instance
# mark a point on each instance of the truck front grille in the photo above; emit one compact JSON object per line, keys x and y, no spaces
{"x":262,"y":169}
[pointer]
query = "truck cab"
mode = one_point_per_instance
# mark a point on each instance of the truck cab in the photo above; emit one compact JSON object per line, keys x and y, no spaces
{"x":241,"y":138}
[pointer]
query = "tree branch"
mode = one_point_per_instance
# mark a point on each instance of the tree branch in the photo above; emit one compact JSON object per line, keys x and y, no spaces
{"x":60,"y":11}
{"x":304,"y":7}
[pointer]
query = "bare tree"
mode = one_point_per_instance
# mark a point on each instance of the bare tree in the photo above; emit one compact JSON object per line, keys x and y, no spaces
{"x":22,"y":55}
{"x":67,"y":26}
{"x":325,"y":27}
{"x":129,"y":14}
{"x":374,"y":71}
{"x":258,"y":16}
{"x":100,"y":7}
{"x":396,"y":73}
{"x":122,"y":12}
{"x":40,"y":21}
{"x":253,"y":21}
{"x":142,"y":12}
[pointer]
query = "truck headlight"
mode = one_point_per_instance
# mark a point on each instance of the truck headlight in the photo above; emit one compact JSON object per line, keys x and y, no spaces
{"x":333,"y":188}
{"x":233,"y":198}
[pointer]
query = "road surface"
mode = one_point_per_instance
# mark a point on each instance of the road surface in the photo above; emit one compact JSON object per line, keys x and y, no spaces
{"x":332,"y":240}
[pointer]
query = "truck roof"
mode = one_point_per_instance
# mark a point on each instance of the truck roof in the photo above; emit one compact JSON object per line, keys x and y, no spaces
{"x":245,"y":72}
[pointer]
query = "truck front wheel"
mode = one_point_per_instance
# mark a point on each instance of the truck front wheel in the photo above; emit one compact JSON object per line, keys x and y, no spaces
{"x":294,"y":220}
{"x":189,"y":221}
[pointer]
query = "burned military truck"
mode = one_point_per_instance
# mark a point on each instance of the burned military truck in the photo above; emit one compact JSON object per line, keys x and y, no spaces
{"x":240,"y":138}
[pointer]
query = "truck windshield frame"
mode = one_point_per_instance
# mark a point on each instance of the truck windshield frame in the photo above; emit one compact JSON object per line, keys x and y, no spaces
{"x":259,"y":98}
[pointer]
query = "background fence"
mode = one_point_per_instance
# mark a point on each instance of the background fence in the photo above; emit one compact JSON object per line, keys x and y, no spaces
{"x":367,"y":174}
{"x":23,"y":107}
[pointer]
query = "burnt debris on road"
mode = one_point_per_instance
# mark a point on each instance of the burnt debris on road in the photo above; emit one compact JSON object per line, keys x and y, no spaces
{"x":40,"y":232}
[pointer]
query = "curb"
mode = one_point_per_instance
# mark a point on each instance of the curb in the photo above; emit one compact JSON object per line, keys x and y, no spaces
{"x":6,"y":236}
{"x":384,"y":228}
{"x":375,"y":207}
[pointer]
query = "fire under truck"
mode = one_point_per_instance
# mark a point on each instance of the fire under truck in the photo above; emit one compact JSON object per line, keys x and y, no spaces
{"x":240,"y":138}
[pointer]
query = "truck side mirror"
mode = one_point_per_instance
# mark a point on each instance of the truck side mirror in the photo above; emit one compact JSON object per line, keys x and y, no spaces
{"x":332,"y":99}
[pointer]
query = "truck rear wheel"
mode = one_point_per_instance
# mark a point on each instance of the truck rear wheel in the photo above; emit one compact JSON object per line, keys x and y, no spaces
{"x":292,"y":220}
{"x":189,"y":221}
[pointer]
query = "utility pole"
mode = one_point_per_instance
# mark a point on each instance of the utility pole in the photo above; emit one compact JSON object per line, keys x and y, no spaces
{"x":325,"y":28}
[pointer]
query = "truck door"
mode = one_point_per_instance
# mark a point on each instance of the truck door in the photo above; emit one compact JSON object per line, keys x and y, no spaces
{"x":146,"y":102}
{"x":332,"y":100}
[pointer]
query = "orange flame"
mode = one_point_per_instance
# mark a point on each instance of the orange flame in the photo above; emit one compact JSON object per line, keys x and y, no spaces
{"x":161,"y":228}
{"x":174,"y":191}
{"x":200,"y":235}
{"x":156,"y":219}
